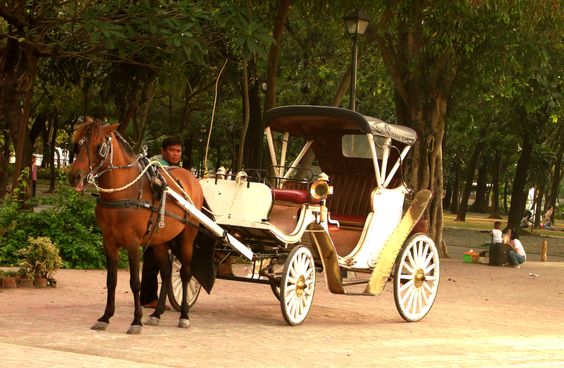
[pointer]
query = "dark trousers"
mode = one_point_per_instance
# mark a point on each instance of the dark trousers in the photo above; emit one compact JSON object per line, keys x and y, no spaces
{"x":33,"y":188}
{"x":149,"y":277}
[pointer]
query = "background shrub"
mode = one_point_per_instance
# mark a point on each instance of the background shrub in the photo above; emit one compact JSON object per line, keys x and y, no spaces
{"x":69,"y":222}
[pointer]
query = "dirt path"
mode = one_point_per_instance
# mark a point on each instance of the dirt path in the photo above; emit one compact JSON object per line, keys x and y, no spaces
{"x":483,"y":316}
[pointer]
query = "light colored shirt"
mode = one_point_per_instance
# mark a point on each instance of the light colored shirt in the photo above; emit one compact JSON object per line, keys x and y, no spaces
{"x":497,"y":236}
{"x":518,"y":247}
{"x":162,"y":161}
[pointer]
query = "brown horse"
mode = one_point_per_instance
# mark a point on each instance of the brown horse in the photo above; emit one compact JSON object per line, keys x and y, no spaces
{"x":130,"y":214}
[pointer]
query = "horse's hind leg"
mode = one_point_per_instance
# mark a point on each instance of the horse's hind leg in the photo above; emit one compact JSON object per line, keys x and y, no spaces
{"x":111,"y":282}
{"x":161,"y":254}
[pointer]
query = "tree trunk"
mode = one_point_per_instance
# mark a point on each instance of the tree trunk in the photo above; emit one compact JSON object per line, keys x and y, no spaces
{"x":427,"y":165}
{"x":342,"y":89}
{"x":274,"y":54}
{"x":447,"y":201}
{"x":54,"y":130}
{"x":455,"y":188}
{"x":518,"y":194}
{"x":539,"y":194}
{"x":470,"y":170}
{"x":556,"y":175}
{"x":246,"y":115}
{"x":495,"y":186}
{"x":253,"y":146}
{"x":480,"y":202}
{"x":23,"y":147}
{"x":4,"y":158}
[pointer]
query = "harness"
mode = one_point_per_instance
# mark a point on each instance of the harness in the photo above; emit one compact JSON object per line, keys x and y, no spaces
{"x":147,"y":168}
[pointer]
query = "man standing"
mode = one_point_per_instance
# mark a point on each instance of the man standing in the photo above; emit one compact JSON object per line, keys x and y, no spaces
{"x":171,"y":153}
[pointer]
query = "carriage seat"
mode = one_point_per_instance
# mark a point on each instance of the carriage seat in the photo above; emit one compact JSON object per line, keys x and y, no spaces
{"x":351,"y":199}
{"x":293,"y":191}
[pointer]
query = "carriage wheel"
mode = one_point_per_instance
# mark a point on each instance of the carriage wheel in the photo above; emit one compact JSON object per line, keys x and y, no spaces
{"x":297,"y":285}
{"x":416,"y":280}
{"x":175,"y":291}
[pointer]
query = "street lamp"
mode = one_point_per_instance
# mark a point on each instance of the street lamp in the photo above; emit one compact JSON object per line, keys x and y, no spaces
{"x":356,"y":24}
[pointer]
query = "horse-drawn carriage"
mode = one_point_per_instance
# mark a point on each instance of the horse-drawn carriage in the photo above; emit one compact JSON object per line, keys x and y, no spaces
{"x":340,"y":207}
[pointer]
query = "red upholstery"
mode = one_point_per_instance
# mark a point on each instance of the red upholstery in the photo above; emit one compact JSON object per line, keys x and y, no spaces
{"x":291,"y":195}
{"x":351,"y":196}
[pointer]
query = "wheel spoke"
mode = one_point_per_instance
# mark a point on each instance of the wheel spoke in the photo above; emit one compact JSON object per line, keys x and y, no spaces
{"x":406,"y":295}
{"x":410,"y":270}
{"x":430,"y":268}
{"x":411,"y":298}
{"x":411,"y":261}
{"x":427,"y":260}
{"x":424,"y":254}
{"x":407,"y":285}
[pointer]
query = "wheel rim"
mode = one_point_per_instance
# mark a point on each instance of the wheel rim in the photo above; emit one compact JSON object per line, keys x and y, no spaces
{"x":417,"y":278}
{"x":175,"y":297}
{"x":297,"y":286}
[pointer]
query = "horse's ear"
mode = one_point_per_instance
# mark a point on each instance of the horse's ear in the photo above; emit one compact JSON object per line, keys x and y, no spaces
{"x":107,"y":129}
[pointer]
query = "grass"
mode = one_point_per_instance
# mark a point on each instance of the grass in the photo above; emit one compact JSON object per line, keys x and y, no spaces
{"x":481,"y":221}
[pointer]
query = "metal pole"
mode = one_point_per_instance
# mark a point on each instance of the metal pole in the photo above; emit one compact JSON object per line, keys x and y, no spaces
{"x":352,"y":102}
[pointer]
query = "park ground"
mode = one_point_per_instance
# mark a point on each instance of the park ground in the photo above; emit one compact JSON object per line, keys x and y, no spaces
{"x":483,"y":316}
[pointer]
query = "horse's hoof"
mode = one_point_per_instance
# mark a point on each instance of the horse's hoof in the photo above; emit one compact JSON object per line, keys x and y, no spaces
{"x":100,"y":326}
{"x":152,"y":321}
{"x":184,"y":323}
{"x":134,"y":330}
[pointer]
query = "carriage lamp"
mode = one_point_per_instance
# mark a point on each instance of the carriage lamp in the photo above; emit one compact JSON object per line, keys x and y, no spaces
{"x":356,"y":24}
{"x":321,"y":189}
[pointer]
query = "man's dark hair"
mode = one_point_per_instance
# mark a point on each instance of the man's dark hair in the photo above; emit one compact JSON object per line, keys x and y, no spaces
{"x":171,"y":141}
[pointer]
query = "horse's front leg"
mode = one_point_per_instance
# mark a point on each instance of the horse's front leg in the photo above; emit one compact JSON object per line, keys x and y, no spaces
{"x":135,"y":285}
{"x":111,"y":282}
{"x":165,"y":267}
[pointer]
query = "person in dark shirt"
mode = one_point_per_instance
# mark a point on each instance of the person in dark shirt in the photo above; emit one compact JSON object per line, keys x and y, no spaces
{"x":171,"y":153}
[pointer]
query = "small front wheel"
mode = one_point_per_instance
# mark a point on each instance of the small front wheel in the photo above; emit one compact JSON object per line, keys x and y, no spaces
{"x":175,"y":291}
{"x":416,"y":279}
{"x":297,"y":285}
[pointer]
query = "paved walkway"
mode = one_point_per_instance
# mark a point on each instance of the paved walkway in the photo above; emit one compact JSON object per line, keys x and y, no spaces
{"x":484,"y":316}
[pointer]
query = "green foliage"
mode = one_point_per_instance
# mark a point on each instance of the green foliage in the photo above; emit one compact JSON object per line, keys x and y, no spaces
{"x":40,"y":258}
{"x":68,"y":221}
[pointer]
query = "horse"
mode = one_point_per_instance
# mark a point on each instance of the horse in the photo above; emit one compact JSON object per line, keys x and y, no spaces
{"x":131,"y":213}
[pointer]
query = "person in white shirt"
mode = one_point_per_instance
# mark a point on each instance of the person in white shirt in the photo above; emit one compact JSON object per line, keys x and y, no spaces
{"x":516,"y":253}
{"x":496,"y":233}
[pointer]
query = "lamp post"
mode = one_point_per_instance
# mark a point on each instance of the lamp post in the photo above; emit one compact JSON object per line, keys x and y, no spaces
{"x":356,"y":24}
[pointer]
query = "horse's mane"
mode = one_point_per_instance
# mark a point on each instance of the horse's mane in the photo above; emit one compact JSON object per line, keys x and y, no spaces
{"x":92,"y":128}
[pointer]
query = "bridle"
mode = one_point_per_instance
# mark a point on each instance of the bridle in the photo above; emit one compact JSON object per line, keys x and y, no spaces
{"x":105,"y":152}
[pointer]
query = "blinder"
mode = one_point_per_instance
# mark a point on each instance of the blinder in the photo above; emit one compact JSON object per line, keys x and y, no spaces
{"x":103,"y":149}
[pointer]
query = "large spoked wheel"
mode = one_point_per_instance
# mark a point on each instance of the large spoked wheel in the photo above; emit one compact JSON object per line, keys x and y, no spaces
{"x":297,"y":285}
{"x":175,"y":291}
{"x":416,"y":280}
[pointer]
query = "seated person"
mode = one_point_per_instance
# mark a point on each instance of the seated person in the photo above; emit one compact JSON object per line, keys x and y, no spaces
{"x":516,"y":253}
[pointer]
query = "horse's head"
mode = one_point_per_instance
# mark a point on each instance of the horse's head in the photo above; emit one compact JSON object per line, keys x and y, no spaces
{"x":92,"y":146}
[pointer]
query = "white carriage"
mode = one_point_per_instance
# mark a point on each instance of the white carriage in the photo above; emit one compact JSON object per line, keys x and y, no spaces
{"x":354,"y":215}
